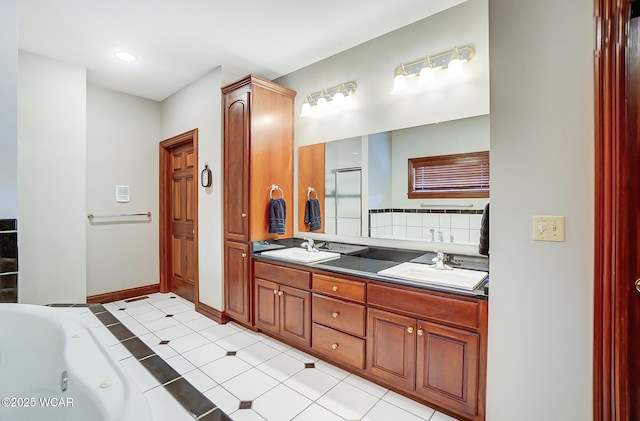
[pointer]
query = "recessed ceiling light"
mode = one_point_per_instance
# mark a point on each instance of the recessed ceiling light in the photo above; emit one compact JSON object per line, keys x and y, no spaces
{"x":125,"y":56}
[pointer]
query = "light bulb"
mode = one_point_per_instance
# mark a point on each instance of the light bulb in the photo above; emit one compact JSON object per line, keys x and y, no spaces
{"x":399,"y":83}
{"x":338,"y":98}
{"x":306,"y":109}
{"x":322,"y":103}
{"x":426,"y":75}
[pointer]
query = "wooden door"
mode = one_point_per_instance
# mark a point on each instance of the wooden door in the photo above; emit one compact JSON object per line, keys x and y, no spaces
{"x":184,"y":207}
{"x":179,"y":215}
{"x":295,"y":315}
{"x":447,"y":367}
{"x":391,"y":348}
{"x":237,"y":281}
{"x":629,"y":236}
{"x":617,"y":228}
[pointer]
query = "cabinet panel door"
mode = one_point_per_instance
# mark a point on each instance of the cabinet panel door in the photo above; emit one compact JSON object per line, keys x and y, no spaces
{"x":295,"y":315}
{"x":391,"y":348}
{"x":236,"y":164}
{"x":267,"y":305}
{"x":237,"y":281}
{"x":447,"y":369}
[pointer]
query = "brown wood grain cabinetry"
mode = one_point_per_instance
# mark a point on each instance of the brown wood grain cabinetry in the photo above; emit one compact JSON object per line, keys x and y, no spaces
{"x":432,"y":345}
{"x":310,"y":174}
{"x":283,"y":302}
{"x":258,"y":132}
{"x":339,"y":319}
{"x":237,"y":264}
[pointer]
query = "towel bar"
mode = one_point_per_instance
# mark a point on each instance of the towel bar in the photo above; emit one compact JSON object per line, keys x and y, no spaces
{"x":275,"y":187}
{"x":121,"y":215}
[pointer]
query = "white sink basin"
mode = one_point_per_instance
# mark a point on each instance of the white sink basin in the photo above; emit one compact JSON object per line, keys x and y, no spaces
{"x":301,"y":255}
{"x":418,"y":272}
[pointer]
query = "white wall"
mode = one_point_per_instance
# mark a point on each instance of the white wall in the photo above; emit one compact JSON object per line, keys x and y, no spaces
{"x":51,"y":181}
{"x":373,"y":109}
{"x":8,"y":109}
{"x":542,"y":160}
{"x":122,"y":149}
{"x":199,"y":105}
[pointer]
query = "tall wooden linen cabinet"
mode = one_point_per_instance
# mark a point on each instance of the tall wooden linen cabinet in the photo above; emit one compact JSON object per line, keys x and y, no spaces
{"x":258,"y":154}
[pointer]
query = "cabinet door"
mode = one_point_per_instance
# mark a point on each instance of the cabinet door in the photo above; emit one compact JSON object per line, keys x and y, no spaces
{"x":295,"y":315}
{"x":447,"y":367}
{"x":267,"y":305}
{"x":236,"y":165}
{"x":237,"y":281}
{"x":391,"y":348}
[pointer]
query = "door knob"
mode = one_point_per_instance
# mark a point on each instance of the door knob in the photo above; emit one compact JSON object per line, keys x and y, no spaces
{"x":244,"y":254}
{"x":275,"y":292}
{"x":638,"y":284}
{"x":410,"y":329}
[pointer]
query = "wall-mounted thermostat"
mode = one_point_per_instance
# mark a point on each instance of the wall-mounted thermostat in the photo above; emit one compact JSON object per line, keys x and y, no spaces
{"x":122,"y":193}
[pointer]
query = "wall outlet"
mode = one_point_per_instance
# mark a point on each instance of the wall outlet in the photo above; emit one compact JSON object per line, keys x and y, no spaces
{"x":548,"y":228}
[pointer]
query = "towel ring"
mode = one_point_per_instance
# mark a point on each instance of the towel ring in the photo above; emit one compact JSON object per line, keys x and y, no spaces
{"x":311,"y":190}
{"x":275,"y":187}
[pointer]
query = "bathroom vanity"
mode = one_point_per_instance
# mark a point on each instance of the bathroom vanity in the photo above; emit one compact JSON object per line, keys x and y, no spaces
{"x":427,"y":342}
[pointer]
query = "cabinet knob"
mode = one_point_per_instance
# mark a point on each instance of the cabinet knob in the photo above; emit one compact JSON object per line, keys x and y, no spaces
{"x":244,"y":254}
{"x":335,"y":314}
{"x":410,"y":329}
{"x":275,"y":292}
{"x":420,"y":332}
{"x":244,"y":215}
{"x":280,"y":293}
{"x":335,"y":288}
{"x":334,"y":346}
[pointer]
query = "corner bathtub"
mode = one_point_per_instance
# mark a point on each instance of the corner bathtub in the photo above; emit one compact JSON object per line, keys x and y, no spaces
{"x":39,"y":347}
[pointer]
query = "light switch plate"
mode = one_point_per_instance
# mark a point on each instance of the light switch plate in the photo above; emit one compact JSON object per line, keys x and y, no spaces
{"x":548,"y":228}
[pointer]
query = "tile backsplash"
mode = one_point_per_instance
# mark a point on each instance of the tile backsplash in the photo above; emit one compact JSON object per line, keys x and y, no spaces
{"x":8,"y":261}
{"x":437,"y":225}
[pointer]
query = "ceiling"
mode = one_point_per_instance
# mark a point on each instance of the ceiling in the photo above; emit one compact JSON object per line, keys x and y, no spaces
{"x":179,"y":41}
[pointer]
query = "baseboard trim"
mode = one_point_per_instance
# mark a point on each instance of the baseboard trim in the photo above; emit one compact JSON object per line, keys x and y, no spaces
{"x":108,"y":297}
{"x":212,"y":313}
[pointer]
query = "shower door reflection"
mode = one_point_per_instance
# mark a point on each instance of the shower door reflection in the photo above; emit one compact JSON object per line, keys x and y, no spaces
{"x":343,"y":202}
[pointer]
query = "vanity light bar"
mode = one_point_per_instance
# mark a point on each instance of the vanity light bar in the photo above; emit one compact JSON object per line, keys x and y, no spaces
{"x":333,"y":95}
{"x":429,"y":64}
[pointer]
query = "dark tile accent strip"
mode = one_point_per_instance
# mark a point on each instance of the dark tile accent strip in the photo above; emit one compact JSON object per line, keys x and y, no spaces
{"x":231,"y":353}
{"x":309,"y":365}
{"x":120,"y":331}
{"x":137,"y":348}
{"x":131,"y":300}
{"x":159,"y":368}
{"x":107,"y":318}
{"x":215,"y":415}
{"x":190,"y":397}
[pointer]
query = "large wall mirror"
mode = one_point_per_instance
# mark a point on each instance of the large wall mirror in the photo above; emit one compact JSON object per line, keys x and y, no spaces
{"x":361,"y":184}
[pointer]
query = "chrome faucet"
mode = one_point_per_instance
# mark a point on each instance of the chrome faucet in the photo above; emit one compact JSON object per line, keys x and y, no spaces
{"x":309,"y":245}
{"x":438,"y":261}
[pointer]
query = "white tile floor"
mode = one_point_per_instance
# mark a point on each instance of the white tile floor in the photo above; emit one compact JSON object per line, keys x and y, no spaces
{"x":267,"y":373}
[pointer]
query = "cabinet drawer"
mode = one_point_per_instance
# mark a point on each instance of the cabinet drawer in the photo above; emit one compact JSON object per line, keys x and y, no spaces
{"x":343,"y":288}
{"x":424,"y":304}
{"x":339,"y":346}
{"x":347,"y":317}
{"x":282,"y":275}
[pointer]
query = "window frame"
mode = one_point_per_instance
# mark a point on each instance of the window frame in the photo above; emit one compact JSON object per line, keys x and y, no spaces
{"x":453,"y":162}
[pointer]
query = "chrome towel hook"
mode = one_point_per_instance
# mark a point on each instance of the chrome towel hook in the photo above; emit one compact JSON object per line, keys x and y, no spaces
{"x":275,"y":187}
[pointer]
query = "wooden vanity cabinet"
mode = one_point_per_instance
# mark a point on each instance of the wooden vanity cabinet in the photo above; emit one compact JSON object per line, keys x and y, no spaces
{"x":283,"y":302}
{"x":258,"y":132}
{"x":339,"y":319}
{"x":431,"y":345}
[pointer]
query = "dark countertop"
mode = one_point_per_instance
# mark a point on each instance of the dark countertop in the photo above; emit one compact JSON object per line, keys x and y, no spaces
{"x":368,"y":261}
